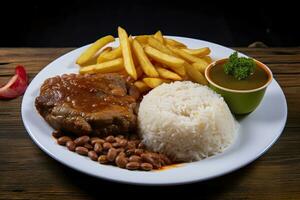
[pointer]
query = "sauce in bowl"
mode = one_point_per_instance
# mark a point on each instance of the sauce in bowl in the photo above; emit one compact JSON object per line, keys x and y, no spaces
{"x":242,"y":96}
{"x":256,"y":80}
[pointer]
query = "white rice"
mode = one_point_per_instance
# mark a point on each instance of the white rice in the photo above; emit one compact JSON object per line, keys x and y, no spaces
{"x":186,"y":121}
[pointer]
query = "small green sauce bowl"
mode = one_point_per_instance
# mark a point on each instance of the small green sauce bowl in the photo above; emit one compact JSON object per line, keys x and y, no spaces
{"x":240,"y":101}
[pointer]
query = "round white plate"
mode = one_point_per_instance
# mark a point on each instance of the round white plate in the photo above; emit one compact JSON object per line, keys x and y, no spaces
{"x":258,"y":131}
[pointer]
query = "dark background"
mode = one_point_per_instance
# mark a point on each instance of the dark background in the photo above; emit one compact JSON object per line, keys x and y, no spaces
{"x":75,"y":23}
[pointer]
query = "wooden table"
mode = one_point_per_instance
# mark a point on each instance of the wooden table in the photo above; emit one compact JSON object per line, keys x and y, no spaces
{"x":28,"y":173}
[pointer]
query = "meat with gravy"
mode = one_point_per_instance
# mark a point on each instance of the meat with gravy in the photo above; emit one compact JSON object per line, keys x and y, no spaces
{"x":101,"y":104}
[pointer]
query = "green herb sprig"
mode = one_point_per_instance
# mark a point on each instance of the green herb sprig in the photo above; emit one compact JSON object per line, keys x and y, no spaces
{"x":239,"y":67}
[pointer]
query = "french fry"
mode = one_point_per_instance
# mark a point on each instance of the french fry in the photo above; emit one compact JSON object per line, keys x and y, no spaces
{"x":134,"y":58}
{"x":106,"y":49}
{"x":139,"y":72}
{"x":174,"y":43}
{"x":105,"y":67}
{"x":167,"y":74}
{"x":154,"y":82}
{"x":188,"y":57}
{"x":102,"y":53}
{"x":158,"y":35}
{"x":207,"y":59}
{"x":200,"y":66}
{"x":198,"y":52}
{"x":180,"y":70}
{"x":130,"y":39}
{"x":92,"y":61}
{"x":194,"y":74}
{"x":143,"y":87}
{"x":147,"y":60}
{"x":171,"y":61}
{"x":145,"y":63}
{"x":93,"y":49}
{"x":110,"y":55}
{"x":143,"y":39}
{"x":153,"y":42}
{"x":126,"y":52}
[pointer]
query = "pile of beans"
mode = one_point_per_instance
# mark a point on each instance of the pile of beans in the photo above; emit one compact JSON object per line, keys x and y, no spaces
{"x":128,"y":153}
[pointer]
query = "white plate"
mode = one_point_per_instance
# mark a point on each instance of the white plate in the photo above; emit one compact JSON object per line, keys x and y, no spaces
{"x":258,"y":132}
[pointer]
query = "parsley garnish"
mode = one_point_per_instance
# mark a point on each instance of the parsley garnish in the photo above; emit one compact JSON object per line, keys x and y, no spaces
{"x":239,"y":67}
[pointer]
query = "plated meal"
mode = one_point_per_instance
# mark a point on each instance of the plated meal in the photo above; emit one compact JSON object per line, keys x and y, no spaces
{"x":154,"y":109}
{"x":145,"y":104}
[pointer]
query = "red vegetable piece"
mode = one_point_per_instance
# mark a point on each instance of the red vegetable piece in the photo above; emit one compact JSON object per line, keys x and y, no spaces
{"x":16,"y":86}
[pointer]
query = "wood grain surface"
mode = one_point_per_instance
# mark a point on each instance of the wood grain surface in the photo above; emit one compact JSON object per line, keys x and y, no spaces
{"x":28,"y":173}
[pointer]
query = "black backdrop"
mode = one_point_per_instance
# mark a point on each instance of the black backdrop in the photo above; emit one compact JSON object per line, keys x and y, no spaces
{"x":75,"y":23}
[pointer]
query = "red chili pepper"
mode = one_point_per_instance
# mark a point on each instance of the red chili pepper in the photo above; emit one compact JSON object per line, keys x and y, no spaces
{"x":16,"y":86}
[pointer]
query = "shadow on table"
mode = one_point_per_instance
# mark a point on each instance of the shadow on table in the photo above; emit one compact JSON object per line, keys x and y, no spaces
{"x":211,"y":189}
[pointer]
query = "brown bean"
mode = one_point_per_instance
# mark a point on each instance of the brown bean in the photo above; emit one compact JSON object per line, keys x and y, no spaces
{"x":156,"y":165}
{"x":123,"y":143}
{"x":146,"y":166}
{"x":110,"y":139}
{"x":120,"y":136}
{"x":125,"y":153}
{"x":96,"y":140}
{"x":157,"y":160}
{"x":57,"y":134}
{"x":111,"y":154}
{"x":98,"y":148}
{"x":71,"y":145}
{"x":147,"y":158}
{"x":122,"y":154}
{"x":118,"y":140}
{"x":130,"y":152}
{"x":93,"y":155}
{"x":151,"y":158}
{"x":138,"y":151}
{"x":133,"y":165}
{"x":63,"y":140}
{"x":165,"y":159}
{"x":135,"y":158}
{"x":82,"y":140}
{"x":154,"y":155}
{"x":116,"y":145}
{"x":121,"y":161}
{"x":107,"y":146}
{"x":130,"y":145}
{"x":103,"y":159}
{"x":88,"y":146}
{"x":82,"y":150}
{"x":119,"y":150}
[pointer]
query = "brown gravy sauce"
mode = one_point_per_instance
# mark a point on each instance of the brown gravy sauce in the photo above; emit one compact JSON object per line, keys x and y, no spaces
{"x":89,"y":95}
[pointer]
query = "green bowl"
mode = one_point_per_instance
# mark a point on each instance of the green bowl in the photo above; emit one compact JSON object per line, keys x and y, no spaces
{"x":240,"y":101}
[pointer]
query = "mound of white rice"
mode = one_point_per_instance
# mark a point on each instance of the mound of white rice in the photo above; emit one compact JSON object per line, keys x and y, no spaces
{"x":186,"y":121}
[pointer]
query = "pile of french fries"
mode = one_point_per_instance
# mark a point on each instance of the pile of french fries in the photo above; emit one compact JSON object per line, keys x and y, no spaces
{"x":149,"y":60}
